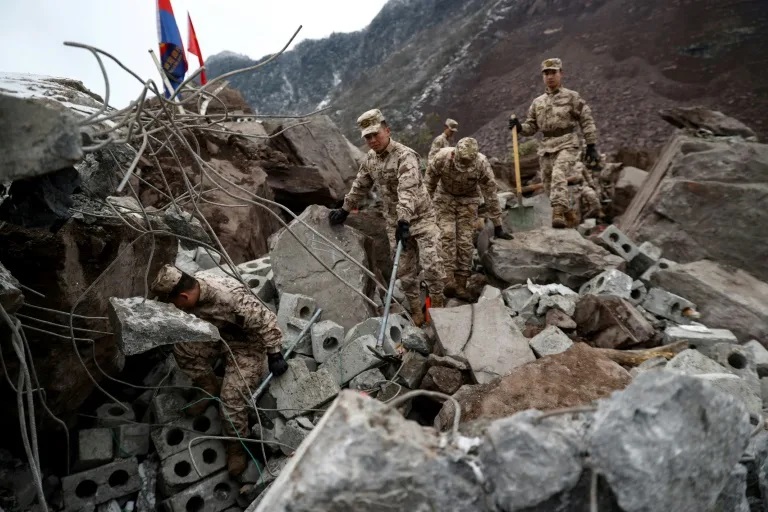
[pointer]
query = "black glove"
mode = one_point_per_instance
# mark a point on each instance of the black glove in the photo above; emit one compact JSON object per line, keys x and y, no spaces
{"x":591,"y":156}
{"x":499,"y":232}
{"x":515,"y":123}
{"x":403,"y":232}
{"x":338,"y":216}
{"x":277,"y":364}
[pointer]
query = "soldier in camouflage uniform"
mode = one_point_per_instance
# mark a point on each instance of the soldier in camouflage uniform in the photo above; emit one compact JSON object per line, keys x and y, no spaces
{"x":589,"y":197}
{"x":456,"y":179}
{"x":556,"y":114}
{"x":394,"y":168}
{"x":250,"y":330}
{"x":444,"y":139}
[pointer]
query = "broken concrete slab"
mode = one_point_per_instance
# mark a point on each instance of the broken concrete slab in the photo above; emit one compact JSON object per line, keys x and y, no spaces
{"x":610,"y":282}
{"x":443,"y":379}
{"x":611,"y":322}
{"x":560,"y":320}
{"x":726,"y":297}
{"x":393,"y":333}
{"x":296,"y":271}
{"x":359,"y":437}
{"x":565,"y":303}
{"x":578,"y":376}
{"x":327,"y":337}
{"x":99,"y":485}
{"x":548,"y":255}
{"x":413,"y":369}
{"x":352,"y":359}
{"x":368,"y":380}
{"x":141,"y":325}
{"x":639,"y":462}
{"x":485,"y":336}
{"x":489,"y":293}
{"x":668,"y":305}
{"x":11,"y":297}
{"x":550,"y":341}
{"x":698,"y":336}
{"x":298,"y":389}
{"x":518,"y":298}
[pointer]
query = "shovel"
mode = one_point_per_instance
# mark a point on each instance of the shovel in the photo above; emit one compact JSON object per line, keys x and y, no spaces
{"x":521,"y":217}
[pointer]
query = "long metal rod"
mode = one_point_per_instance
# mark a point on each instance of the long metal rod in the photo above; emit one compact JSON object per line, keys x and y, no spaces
{"x":388,"y":299}
{"x":287,"y":353}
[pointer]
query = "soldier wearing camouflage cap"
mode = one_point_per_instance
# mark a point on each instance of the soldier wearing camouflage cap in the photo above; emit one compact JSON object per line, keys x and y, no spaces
{"x":394,"y":168}
{"x":252,"y":338}
{"x":458,"y":180}
{"x":556,"y":114}
{"x":444,"y":139}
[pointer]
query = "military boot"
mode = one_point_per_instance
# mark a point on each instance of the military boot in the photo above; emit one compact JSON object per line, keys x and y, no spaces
{"x":416,"y":314}
{"x":236,"y":459}
{"x":438,"y":301}
{"x":211,"y":385}
{"x":461,"y":289}
{"x":558,"y":217}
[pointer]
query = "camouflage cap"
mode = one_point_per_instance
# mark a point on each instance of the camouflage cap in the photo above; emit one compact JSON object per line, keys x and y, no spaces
{"x":370,"y":121}
{"x":555,"y":64}
{"x":452,"y":125}
{"x":465,"y":153}
{"x":167,"y":278}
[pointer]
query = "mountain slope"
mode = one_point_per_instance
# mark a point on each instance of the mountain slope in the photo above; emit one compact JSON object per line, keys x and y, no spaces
{"x":478,"y":60}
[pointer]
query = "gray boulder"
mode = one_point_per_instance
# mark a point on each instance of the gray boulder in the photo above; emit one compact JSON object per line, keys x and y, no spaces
{"x":142,"y":325}
{"x":701,"y":118}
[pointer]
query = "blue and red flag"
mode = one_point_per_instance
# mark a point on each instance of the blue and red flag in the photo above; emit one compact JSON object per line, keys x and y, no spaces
{"x":172,"y":57}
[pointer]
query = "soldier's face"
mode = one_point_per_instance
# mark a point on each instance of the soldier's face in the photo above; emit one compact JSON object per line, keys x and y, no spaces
{"x":378,"y":141}
{"x":552,"y":78}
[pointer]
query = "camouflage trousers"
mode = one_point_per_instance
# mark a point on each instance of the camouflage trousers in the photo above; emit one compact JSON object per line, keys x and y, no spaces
{"x":554,"y":171}
{"x":422,"y":252}
{"x":196,"y":359}
{"x":589,"y":201}
{"x":457,"y":230}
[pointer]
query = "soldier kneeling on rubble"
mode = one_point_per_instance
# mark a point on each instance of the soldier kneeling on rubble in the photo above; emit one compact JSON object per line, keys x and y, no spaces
{"x":250,"y":338}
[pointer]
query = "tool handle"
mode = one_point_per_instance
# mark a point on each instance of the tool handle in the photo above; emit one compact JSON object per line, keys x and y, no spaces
{"x":516,"y":155}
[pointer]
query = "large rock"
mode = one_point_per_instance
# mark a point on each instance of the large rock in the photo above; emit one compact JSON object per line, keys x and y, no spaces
{"x":548,"y":255}
{"x":141,"y":325}
{"x":296,"y":271}
{"x":701,"y":118}
{"x":297,"y":186}
{"x":36,"y":139}
{"x":629,"y":181}
{"x":483,"y":335}
{"x":611,"y":322}
{"x":576,"y":377}
{"x":11,"y":297}
{"x":726,"y":297}
{"x":364,"y":455}
{"x":41,"y":201}
{"x":701,"y":200}
{"x":668,"y":442}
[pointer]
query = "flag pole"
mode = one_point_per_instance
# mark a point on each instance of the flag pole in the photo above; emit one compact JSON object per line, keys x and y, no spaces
{"x":165,"y":78}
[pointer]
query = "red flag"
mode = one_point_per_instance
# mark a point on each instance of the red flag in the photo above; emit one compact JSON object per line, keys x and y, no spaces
{"x":193,"y":47}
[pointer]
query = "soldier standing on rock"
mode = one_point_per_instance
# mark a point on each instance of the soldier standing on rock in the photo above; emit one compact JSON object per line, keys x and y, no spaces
{"x":250,"y":330}
{"x":556,"y":114}
{"x":394,"y":168}
{"x":456,"y":178}
{"x":444,"y":139}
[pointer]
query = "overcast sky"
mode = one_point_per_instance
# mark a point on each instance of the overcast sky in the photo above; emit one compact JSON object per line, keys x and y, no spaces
{"x":32,"y":33}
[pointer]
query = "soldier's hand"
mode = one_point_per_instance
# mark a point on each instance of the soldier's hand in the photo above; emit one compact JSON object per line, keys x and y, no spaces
{"x":514,"y":122}
{"x":591,"y":156}
{"x":338,"y":216}
{"x":403,"y":232}
{"x":277,"y":364}
{"x":499,"y":232}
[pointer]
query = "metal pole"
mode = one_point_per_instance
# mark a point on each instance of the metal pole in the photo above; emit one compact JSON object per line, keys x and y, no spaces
{"x":287,"y":353}
{"x":165,"y":78}
{"x":388,"y":300}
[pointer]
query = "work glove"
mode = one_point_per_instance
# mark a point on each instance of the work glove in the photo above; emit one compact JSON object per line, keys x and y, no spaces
{"x":499,"y":232}
{"x":514,"y":122}
{"x":591,"y":157}
{"x":338,"y":216}
{"x":277,"y":364}
{"x":403,"y":232}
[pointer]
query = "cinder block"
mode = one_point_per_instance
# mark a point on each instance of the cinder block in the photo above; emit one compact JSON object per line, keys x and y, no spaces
{"x":651,"y":250}
{"x":637,"y":293}
{"x":174,"y":438}
{"x":667,"y":305}
{"x":214,"y":494}
{"x":662,"y":264}
{"x":111,"y":415}
{"x":393,"y":334}
{"x":177,"y":472}
{"x":262,"y":286}
{"x":699,"y":337}
{"x":327,"y":337}
{"x":132,"y":439}
{"x":259,"y":267}
{"x":293,"y":314}
{"x":353,"y":359}
{"x":94,"y":448}
{"x":166,"y":408}
{"x":759,"y":356}
{"x":647,"y":256}
{"x":413,"y":369}
{"x":610,"y":282}
{"x":618,"y":243}
{"x":99,"y":485}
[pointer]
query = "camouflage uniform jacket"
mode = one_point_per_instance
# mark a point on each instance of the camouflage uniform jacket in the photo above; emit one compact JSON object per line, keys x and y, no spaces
{"x":464,"y":186}
{"x":238,"y":315}
{"x":556,"y":114}
{"x":396,"y":172}
{"x":440,"y":142}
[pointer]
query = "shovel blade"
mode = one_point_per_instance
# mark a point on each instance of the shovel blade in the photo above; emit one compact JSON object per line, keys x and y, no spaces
{"x":520,"y":218}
